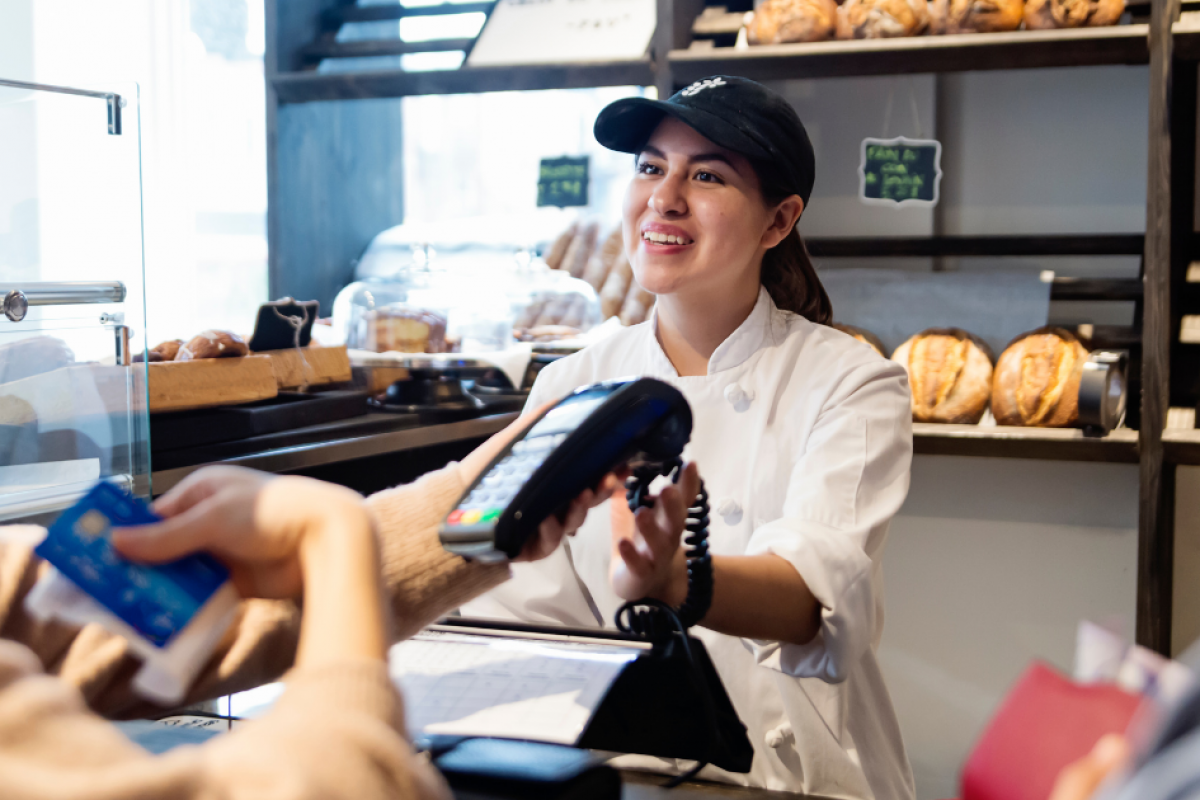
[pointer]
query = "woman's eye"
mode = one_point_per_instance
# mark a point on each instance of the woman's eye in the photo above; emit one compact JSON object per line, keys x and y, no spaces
{"x":707,"y":177}
{"x":646,"y":168}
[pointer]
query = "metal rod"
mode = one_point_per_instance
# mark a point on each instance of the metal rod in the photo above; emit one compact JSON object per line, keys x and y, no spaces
{"x":67,"y":293}
{"x":112,"y":99}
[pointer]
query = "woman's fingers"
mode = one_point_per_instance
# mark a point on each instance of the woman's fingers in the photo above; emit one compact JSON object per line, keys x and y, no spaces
{"x":1080,"y":780}
{"x":639,"y":564}
{"x":203,"y":484}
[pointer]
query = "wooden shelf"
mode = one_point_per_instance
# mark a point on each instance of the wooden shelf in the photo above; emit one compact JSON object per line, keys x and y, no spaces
{"x":1182,"y":446}
{"x":1054,"y":444}
{"x":1120,"y":44}
{"x":1121,"y":244}
{"x":334,"y":18}
{"x":304,"y":87}
{"x":374,"y":48}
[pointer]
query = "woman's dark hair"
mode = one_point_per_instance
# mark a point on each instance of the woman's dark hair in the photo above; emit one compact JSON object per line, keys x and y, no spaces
{"x":787,"y":270}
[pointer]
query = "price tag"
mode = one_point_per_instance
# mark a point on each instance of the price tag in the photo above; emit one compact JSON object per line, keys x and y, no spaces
{"x":900,"y":172}
{"x":563,"y":182}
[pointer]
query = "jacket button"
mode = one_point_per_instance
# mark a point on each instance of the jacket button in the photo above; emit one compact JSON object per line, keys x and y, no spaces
{"x":738,"y":397}
{"x":776,"y":737}
{"x":730,"y":510}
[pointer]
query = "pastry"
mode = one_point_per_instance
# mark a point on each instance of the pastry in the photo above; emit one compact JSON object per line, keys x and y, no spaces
{"x":866,"y":337}
{"x":779,"y":21}
{"x":33,"y":355}
{"x":212,"y":344}
{"x":882,"y":19}
{"x":1037,"y":379}
{"x":405,"y":330}
{"x":554,"y":256}
{"x":950,"y":372}
{"x":549,"y":333}
{"x":602,"y":260}
{"x":637,"y":306}
{"x":1041,"y":14}
{"x":166,"y":351}
{"x":978,"y":16}
{"x":616,"y":287}
{"x":580,"y":250}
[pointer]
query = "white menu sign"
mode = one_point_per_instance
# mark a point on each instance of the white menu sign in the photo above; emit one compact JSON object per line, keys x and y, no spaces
{"x":564,"y":31}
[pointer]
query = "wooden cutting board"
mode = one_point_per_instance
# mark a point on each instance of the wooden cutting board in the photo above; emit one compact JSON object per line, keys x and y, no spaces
{"x":312,"y":366}
{"x":208,"y":382}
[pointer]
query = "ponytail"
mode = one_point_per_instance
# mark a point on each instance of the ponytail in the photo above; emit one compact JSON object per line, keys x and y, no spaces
{"x":789,"y":276}
{"x":788,"y":273}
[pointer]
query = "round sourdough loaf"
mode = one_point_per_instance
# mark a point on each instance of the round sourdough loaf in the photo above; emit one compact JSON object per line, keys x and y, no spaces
{"x":864,"y":336}
{"x":781,"y":21}
{"x":1036,"y":382}
{"x":950,"y":372}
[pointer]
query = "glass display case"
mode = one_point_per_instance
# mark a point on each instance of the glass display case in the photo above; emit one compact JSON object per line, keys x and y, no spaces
{"x":73,"y":403}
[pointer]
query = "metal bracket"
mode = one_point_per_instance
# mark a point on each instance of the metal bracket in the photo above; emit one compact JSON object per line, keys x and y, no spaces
{"x":115,"y":101}
{"x":16,"y":306}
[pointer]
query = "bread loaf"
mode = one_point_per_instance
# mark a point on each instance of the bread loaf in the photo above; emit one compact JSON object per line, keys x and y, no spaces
{"x":558,"y":250}
{"x":866,"y":337}
{"x":637,"y":306}
{"x":1044,"y":14}
{"x":978,"y":16}
{"x":950,"y":372}
{"x":780,"y":21}
{"x":603,"y":258}
{"x":1037,"y":379}
{"x":580,"y":250}
{"x":882,"y":19}
{"x":616,"y":287}
{"x":211,"y":344}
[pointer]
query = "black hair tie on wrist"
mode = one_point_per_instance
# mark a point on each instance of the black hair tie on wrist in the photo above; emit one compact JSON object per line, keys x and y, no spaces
{"x":650,"y":618}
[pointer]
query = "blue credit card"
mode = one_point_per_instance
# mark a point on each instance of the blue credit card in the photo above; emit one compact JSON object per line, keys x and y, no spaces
{"x":157,"y":601}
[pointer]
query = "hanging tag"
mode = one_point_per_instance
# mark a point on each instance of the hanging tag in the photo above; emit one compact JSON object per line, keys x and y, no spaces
{"x":901,"y":172}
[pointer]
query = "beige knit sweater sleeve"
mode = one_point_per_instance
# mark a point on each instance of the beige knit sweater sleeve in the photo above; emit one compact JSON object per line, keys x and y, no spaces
{"x":336,"y":732}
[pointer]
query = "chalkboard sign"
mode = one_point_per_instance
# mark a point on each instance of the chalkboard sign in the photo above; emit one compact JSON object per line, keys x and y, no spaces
{"x":563,"y":182}
{"x":900,"y":172}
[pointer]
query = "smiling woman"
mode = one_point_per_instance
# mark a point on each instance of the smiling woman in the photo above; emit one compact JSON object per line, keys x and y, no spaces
{"x":802,"y":435}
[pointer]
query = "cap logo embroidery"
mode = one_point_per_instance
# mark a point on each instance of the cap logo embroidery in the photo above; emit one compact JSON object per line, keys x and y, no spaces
{"x":699,"y":86}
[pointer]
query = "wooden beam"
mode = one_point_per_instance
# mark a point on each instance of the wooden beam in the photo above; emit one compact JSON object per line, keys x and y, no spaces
{"x":334,"y":18}
{"x":371,"y":48}
{"x":1156,"y":509}
{"x":304,"y":87}
{"x":933,"y":246}
{"x":1053,"y":444}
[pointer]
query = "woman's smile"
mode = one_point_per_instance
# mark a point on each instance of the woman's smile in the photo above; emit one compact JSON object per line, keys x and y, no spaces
{"x":662,"y":239}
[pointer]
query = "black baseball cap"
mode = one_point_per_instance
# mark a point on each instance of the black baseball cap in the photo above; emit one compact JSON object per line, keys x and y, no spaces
{"x":735,"y":113}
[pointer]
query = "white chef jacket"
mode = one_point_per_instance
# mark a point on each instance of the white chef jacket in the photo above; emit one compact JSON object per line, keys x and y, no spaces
{"x":803,"y":437}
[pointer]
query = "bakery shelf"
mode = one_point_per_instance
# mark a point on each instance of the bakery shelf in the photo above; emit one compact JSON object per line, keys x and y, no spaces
{"x":1120,"y":244}
{"x":1120,"y":44}
{"x":1054,"y":444}
{"x":303,"y":87}
{"x":1182,"y":446}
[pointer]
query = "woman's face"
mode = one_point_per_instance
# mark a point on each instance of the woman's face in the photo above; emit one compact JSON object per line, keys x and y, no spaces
{"x":695,"y":221}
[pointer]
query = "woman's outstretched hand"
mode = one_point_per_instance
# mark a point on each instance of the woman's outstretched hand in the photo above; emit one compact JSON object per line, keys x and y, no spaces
{"x":648,"y":560}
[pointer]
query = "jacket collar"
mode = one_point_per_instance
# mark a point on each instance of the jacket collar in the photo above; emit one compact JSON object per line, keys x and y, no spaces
{"x":744,"y":342}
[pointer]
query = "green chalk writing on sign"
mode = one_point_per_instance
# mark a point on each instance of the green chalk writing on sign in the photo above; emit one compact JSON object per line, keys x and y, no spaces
{"x":900,"y":172}
{"x":563,"y":182}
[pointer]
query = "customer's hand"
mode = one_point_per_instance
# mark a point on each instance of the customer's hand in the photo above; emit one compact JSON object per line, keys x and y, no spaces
{"x":280,"y":536}
{"x":253,"y":522}
{"x":555,"y":527}
{"x":1080,"y":780}
{"x":648,"y":560}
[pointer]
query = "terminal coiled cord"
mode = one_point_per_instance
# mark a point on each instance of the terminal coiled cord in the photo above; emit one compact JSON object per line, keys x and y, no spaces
{"x":659,"y":622}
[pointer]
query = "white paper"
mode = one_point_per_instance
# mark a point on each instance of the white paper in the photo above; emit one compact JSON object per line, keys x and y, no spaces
{"x":997,"y":306}
{"x":564,"y":31}
{"x":468,"y":685}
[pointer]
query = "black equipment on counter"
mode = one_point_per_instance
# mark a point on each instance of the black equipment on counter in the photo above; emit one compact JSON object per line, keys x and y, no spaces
{"x":508,"y":769}
{"x":283,"y":324}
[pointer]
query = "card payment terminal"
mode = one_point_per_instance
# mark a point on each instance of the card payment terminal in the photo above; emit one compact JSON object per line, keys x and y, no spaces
{"x":568,"y":449}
